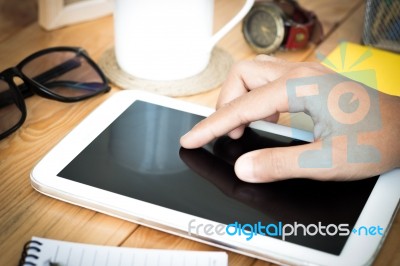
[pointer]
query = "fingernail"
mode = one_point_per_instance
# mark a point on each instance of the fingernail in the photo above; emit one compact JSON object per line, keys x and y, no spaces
{"x":244,"y":168}
{"x":183,"y":139}
{"x":184,"y":136}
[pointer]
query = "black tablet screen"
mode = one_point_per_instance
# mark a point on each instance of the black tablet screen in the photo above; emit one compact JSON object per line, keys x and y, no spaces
{"x":139,"y":156}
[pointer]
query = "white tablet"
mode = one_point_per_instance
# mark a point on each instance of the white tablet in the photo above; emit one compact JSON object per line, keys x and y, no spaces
{"x":125,"y":160}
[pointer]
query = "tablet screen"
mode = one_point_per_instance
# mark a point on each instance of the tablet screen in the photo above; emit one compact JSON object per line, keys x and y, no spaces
{"x":139,"y":156}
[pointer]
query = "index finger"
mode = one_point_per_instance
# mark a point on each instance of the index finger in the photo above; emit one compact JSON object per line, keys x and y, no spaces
{"x":252,"y":106}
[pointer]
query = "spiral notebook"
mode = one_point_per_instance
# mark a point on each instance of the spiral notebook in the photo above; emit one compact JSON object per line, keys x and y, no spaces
{"x":49,"y":252}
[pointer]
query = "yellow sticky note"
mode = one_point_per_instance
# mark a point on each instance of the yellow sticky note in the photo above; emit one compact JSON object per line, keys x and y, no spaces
{"x":373,"y":67}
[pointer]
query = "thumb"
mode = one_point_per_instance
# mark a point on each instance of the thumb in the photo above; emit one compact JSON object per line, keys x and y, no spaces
{"x":273,"y":164}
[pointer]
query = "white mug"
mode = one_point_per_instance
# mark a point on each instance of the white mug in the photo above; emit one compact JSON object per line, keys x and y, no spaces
{"x":167,"y":39}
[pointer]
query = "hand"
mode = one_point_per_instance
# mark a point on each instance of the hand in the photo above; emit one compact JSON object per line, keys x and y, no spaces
{"x":356,"y":128}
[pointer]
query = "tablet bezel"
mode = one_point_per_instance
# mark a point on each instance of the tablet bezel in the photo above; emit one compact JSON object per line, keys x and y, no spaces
{"x":358,"y":250}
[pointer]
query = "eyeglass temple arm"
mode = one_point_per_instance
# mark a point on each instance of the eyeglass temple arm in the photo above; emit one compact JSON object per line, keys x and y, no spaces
{"x":88,"y":86}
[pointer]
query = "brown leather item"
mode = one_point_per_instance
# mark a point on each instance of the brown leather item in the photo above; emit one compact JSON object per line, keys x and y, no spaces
{"x":301,"y":26}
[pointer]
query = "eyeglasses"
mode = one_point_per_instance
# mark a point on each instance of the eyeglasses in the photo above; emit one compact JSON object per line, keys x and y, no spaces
{"x":65,"y":74}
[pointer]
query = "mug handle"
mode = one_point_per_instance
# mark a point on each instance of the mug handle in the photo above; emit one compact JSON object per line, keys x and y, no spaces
{"x":232,"y":23}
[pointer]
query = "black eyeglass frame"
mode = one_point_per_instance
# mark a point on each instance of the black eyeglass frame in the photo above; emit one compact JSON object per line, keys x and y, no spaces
{"x":30,"y":87}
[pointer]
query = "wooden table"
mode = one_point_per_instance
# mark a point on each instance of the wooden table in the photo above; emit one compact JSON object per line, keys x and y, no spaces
{"x":25,"y":213}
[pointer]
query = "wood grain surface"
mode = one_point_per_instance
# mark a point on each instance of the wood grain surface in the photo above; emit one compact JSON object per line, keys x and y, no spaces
{"x":25,"y":213}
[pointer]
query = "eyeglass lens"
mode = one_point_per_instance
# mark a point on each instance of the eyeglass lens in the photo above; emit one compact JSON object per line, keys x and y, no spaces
{"x":65,"y":73}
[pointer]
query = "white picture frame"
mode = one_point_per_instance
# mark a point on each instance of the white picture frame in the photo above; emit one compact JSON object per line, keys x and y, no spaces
{"x":54,"y":14}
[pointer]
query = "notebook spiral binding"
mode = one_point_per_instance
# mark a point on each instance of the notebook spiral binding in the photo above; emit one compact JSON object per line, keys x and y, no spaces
{"x":27,"y":259}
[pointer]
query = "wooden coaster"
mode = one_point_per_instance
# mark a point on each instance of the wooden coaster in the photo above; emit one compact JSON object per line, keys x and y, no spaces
{"x":213,"y":76}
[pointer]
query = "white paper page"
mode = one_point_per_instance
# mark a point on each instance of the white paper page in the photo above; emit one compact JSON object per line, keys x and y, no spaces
{"x":61,"y":253}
